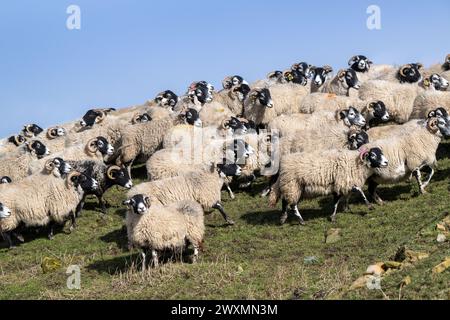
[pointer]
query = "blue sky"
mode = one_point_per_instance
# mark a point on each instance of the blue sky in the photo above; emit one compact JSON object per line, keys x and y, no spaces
{"x":127,"y":51}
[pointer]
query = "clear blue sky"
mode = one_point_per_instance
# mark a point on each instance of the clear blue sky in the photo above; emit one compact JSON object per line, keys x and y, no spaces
{"x":127,"y":51}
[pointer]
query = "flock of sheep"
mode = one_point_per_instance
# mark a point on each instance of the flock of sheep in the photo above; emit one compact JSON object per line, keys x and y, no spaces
{"x":309,"y":132}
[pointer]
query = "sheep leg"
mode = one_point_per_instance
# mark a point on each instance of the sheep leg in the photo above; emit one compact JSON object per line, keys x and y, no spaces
{"x":373,"y":192}
{"x":155,"y":262}
{"x":73,"y":221}
{"x":7,"y":237}
{"x":272,"y":181}
{"x":284,"y":212}
{"x":297,"y":214}
{"x":230,"y":191}
{"x":418,"y":175}
{"x":51,"y":225}
{"x":219,"y":207}
{"x":195,"y":256}
{"x":430,"y":175}
{"x":80,"y":206}
{"x":361,"y":192}
{"x":337,"y":199}
{"x":102,"y":203}
{"x":144,"y":256}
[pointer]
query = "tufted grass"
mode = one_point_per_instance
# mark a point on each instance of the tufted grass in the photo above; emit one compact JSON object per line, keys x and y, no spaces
{"x":255,"y":259}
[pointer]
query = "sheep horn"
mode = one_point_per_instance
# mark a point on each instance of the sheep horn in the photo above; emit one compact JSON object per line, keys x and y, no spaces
{"x":362,"y":152}
{"x":91,"y":146}
{"x":70,"y":176}
{"x":328,"y":68}
{"x":27,"y":132}
{"x":402,"y":70}
{"x":110,"y":171}
{"x":147,"y":201}
{"x":49,"y":166}
{"x":18,"y":140}
{"x":101,"y":116}
{"x":135,"y":119}
{"x":419,"y":65}
{"x":52,"y":133}
{"x":225,"y":124}
{"x":352,"y":60}
{"x":447,"y":58}
{"x":432,"y":125}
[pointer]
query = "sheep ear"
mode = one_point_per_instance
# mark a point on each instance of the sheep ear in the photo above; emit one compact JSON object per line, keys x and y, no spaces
{"x":371,"y":105}
{"x":328,"y":69}
{"x":419,"y":65}
{"x":127,"y":202}
{"x":343,"y":114}
{"x":352,"y":60}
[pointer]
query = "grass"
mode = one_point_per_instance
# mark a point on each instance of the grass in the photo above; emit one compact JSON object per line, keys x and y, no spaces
{"x":255,"y":259}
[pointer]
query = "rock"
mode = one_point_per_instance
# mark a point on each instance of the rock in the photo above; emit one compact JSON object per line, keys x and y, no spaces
{"x":333,"y":236}
{"x":441,"y":238}
{"x":310,"y":260}
{"x":441,"y":227}
{"x":375,"y":269}
{"x":392,"y":265}
{"x":406,"y":281}
{"x":361,"y":282}
{"x":50,"y":264}
{"x":442,"y":266}
{"x":413,"y":256}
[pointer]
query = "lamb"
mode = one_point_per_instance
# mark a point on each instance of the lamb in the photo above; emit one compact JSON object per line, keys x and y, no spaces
{"x":16,"y":166}
{"x":201,"y":186}
{"x":287,"y":124}
{"x":107,"y":176}
{"x":336,"y":172}
{"x":272,"y":77}
{"x":53,"y":202}
{"x":399,"y":97}
{"x":154,"y":227}
{"x":428,"y":101}
{"x":409,"y":152}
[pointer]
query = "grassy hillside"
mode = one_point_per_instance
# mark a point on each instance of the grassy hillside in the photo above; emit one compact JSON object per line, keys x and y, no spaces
{"x":255,"y":259}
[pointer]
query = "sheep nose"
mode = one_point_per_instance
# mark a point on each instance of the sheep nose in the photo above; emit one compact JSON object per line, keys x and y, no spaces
{"x":357,"y":86}
{"x":385,"y":117}
{"x":129,"y":185}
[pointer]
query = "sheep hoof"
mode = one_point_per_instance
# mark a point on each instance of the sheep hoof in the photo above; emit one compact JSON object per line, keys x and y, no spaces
{"x":302,"y":222}
{"x":333,"y":219}
{"x":423,"y":191}
{"x":20,"y":238}
{"x":232,"y":197}
{"x":371,"y":207}
{"x":12,"y":247}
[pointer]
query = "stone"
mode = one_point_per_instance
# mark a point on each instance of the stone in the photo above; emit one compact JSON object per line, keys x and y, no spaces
{"x":441,"y":238}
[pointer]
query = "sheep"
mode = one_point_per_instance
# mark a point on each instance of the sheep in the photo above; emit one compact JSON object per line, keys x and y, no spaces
{"x":141,"y":118}
{"x":17,"y":166}
{"x":197,"y":155}
{"x":259,"y":107}
{"x":140,"y":141}
{"x":107,"y":176}
{"x":409,"y":152}
{"x":428,"y":101}
{"x":287,"y":124}
{"x":341,"y":83}
{"x":232,"y":81}
{"x":95,"y":149}
{"x":408,"y":73}
{"x":361,"y":64}
{"x":31,"y":130}
{"x":167,"y":99}
{"x":154,"y":228}
{"x":439,"y":68}
{"x":399,"y":97}
{"x":336,"y":172}
{"x":202,"y":186}
{"x":94,"y":116}
{"x":231,"y":99}
{"x":52,"y":202}
{"x":320,"y":76}
{"x":437,"y":82}
{"x":11,"y":145}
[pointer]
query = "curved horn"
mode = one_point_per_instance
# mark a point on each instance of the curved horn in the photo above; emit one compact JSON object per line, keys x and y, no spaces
{"x":101,"y":116}
{"x":49,"y":166}
{"x":432,"y":125}
{"x":352,"y":60}
{"x":402,"y":70}
{"x":362,"y":152}
{"x":27,"y":132}
{"x":328,"y":68}
{"x":225,"y":123}
{"x":147,"y":201}
{"x":70,"y":176}
{"x":18,"y":140}
{"x":110,"y":171}
{"x":136,"y":118}
{"x":52,"y":133}
{"x":91,"y":146}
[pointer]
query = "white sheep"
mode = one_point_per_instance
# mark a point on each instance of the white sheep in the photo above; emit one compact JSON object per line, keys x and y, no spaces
{"x":154,"y":227}
{"x":336,"y":172}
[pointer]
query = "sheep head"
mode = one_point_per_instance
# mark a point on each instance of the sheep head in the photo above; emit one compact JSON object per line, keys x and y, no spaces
{"x":55,"y":132}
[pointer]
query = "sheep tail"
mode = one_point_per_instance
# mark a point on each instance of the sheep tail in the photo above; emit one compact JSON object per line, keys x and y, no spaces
{"x":275,"y":194}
